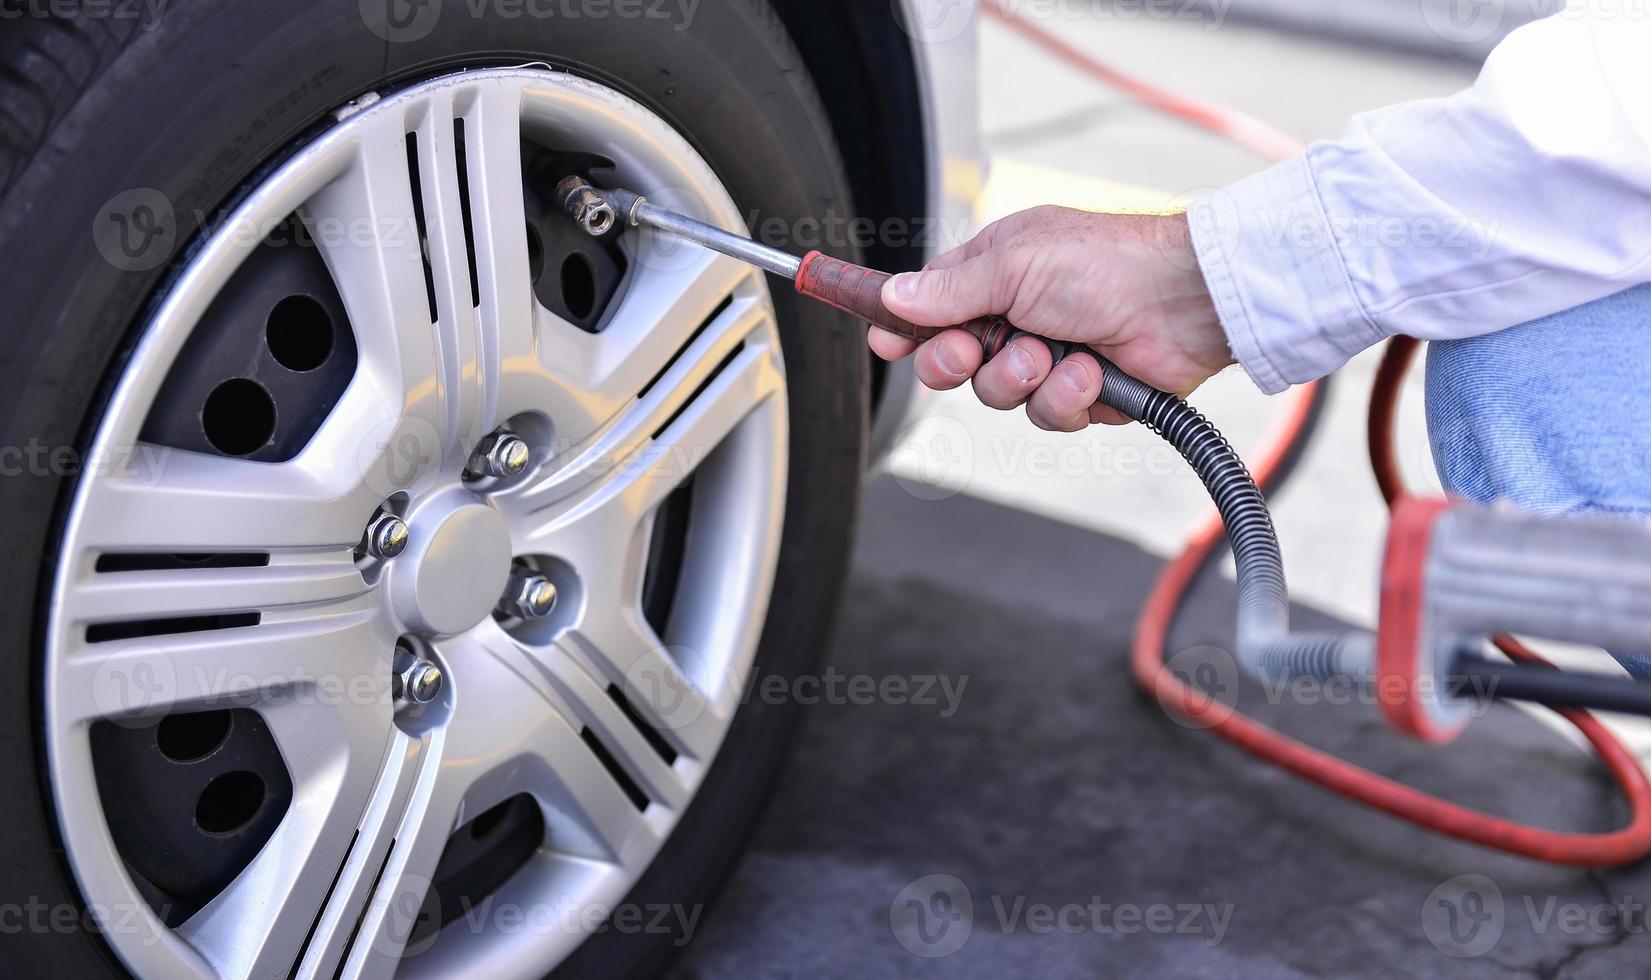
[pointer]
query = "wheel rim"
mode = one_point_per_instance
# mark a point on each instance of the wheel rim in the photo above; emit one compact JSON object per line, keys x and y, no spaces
{"x":580,"y":713}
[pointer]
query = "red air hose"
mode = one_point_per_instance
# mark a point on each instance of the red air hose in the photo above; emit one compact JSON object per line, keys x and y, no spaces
{"x":1283,"y":443}
{"x":1354,"y":782}
{"x":1245,"y":130}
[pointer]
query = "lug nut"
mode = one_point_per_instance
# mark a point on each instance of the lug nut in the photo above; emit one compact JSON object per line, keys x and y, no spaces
{"x":529,"y":595}
{"x":387,"y":536}
{"x":416,"y":679}
{"x":500,"y":455}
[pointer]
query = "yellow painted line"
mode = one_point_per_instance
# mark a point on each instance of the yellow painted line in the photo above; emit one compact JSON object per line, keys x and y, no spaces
{"x":1015,"y":185}
{"x":963,"y":178}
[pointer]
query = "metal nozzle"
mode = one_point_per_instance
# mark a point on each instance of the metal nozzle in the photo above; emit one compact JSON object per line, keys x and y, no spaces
{"x":636,"y":209}
{"x":580,"y":200}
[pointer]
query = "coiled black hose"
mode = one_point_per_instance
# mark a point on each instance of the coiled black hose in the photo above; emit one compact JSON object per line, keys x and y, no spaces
{"x":1265,"y":646}
{"x":1264,"y":642}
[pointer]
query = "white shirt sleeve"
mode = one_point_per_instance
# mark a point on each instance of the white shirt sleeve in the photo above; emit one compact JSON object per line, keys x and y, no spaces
{"x":1526,"y":194}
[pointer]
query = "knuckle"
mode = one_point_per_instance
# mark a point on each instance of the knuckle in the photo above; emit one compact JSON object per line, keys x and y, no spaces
{"x":942,"y":287}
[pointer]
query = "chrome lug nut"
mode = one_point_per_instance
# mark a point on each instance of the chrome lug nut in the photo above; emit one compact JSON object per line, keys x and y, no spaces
{"x":387,"y":536}
{"x":416,"y":679}
{"x":529,"y":595}
{"x":500,"y":455}
{"x":423,"y":683}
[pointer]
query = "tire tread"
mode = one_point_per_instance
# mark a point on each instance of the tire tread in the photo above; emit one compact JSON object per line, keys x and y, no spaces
{"x":46,"y":63}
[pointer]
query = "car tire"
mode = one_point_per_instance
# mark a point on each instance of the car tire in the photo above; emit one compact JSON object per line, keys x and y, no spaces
{"x":195,"y":103}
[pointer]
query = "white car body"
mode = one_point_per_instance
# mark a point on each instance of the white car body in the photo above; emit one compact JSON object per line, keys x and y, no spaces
{"x":945,"y":50}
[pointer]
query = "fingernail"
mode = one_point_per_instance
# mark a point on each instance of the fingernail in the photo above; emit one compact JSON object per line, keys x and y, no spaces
{"x":949,"y":361}
{"x":1021,"y":363}
{"x":1076,"y":378}
{"x":905,"y":287}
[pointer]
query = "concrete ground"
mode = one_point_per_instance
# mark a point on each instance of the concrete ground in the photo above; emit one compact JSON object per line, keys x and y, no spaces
{"x":1044,"y":819}
{"x":1050,"y":821}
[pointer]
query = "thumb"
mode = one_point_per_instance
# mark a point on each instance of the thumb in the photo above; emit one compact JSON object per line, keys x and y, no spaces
{"x":941,"y":297}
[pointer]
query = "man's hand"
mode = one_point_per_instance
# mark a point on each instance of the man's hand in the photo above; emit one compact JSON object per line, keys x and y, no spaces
{"x":1127,"y":285}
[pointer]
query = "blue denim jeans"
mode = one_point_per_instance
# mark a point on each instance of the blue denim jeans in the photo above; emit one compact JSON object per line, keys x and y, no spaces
{"x":1554,"y":415}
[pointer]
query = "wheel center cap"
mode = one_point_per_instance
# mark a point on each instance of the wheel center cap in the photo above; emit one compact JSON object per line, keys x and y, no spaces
{"x":460,"y":559}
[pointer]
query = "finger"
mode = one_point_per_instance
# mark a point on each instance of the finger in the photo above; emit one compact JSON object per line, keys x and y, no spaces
{"x":994,"y":234}
{"x":944,"y":296}
{"x":947,"y":360}
{"x":889,"y":346}
{"x":1107,"y":415}
{"x":967,"y":281}
{"x":1008,"y":379}
{"x":1062,"y":403}
{"x":955,"y":256}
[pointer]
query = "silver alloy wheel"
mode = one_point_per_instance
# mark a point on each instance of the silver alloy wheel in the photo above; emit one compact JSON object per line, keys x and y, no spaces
{"x":685,"y":379}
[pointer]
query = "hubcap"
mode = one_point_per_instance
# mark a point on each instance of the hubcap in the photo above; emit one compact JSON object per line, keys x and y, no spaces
{"x":460,"y":562}
{"x":232,"y":578}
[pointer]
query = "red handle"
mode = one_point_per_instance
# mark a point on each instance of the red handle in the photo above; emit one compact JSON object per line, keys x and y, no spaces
{"x":858,"y":290}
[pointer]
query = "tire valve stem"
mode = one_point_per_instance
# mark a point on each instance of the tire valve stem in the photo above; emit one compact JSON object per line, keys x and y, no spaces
{"x":580,"y":200}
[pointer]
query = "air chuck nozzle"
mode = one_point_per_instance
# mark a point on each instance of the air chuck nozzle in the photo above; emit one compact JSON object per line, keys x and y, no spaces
{"x":580,"y":200}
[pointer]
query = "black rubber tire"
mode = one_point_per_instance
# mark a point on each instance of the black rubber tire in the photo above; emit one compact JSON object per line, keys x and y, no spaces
{"x":194,"y":104}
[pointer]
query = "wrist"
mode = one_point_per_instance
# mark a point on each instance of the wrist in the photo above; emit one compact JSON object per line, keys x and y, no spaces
{"x":1187,"y":300}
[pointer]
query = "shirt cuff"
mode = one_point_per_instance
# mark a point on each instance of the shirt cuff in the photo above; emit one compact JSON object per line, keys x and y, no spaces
{"x":1272,"y":264}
